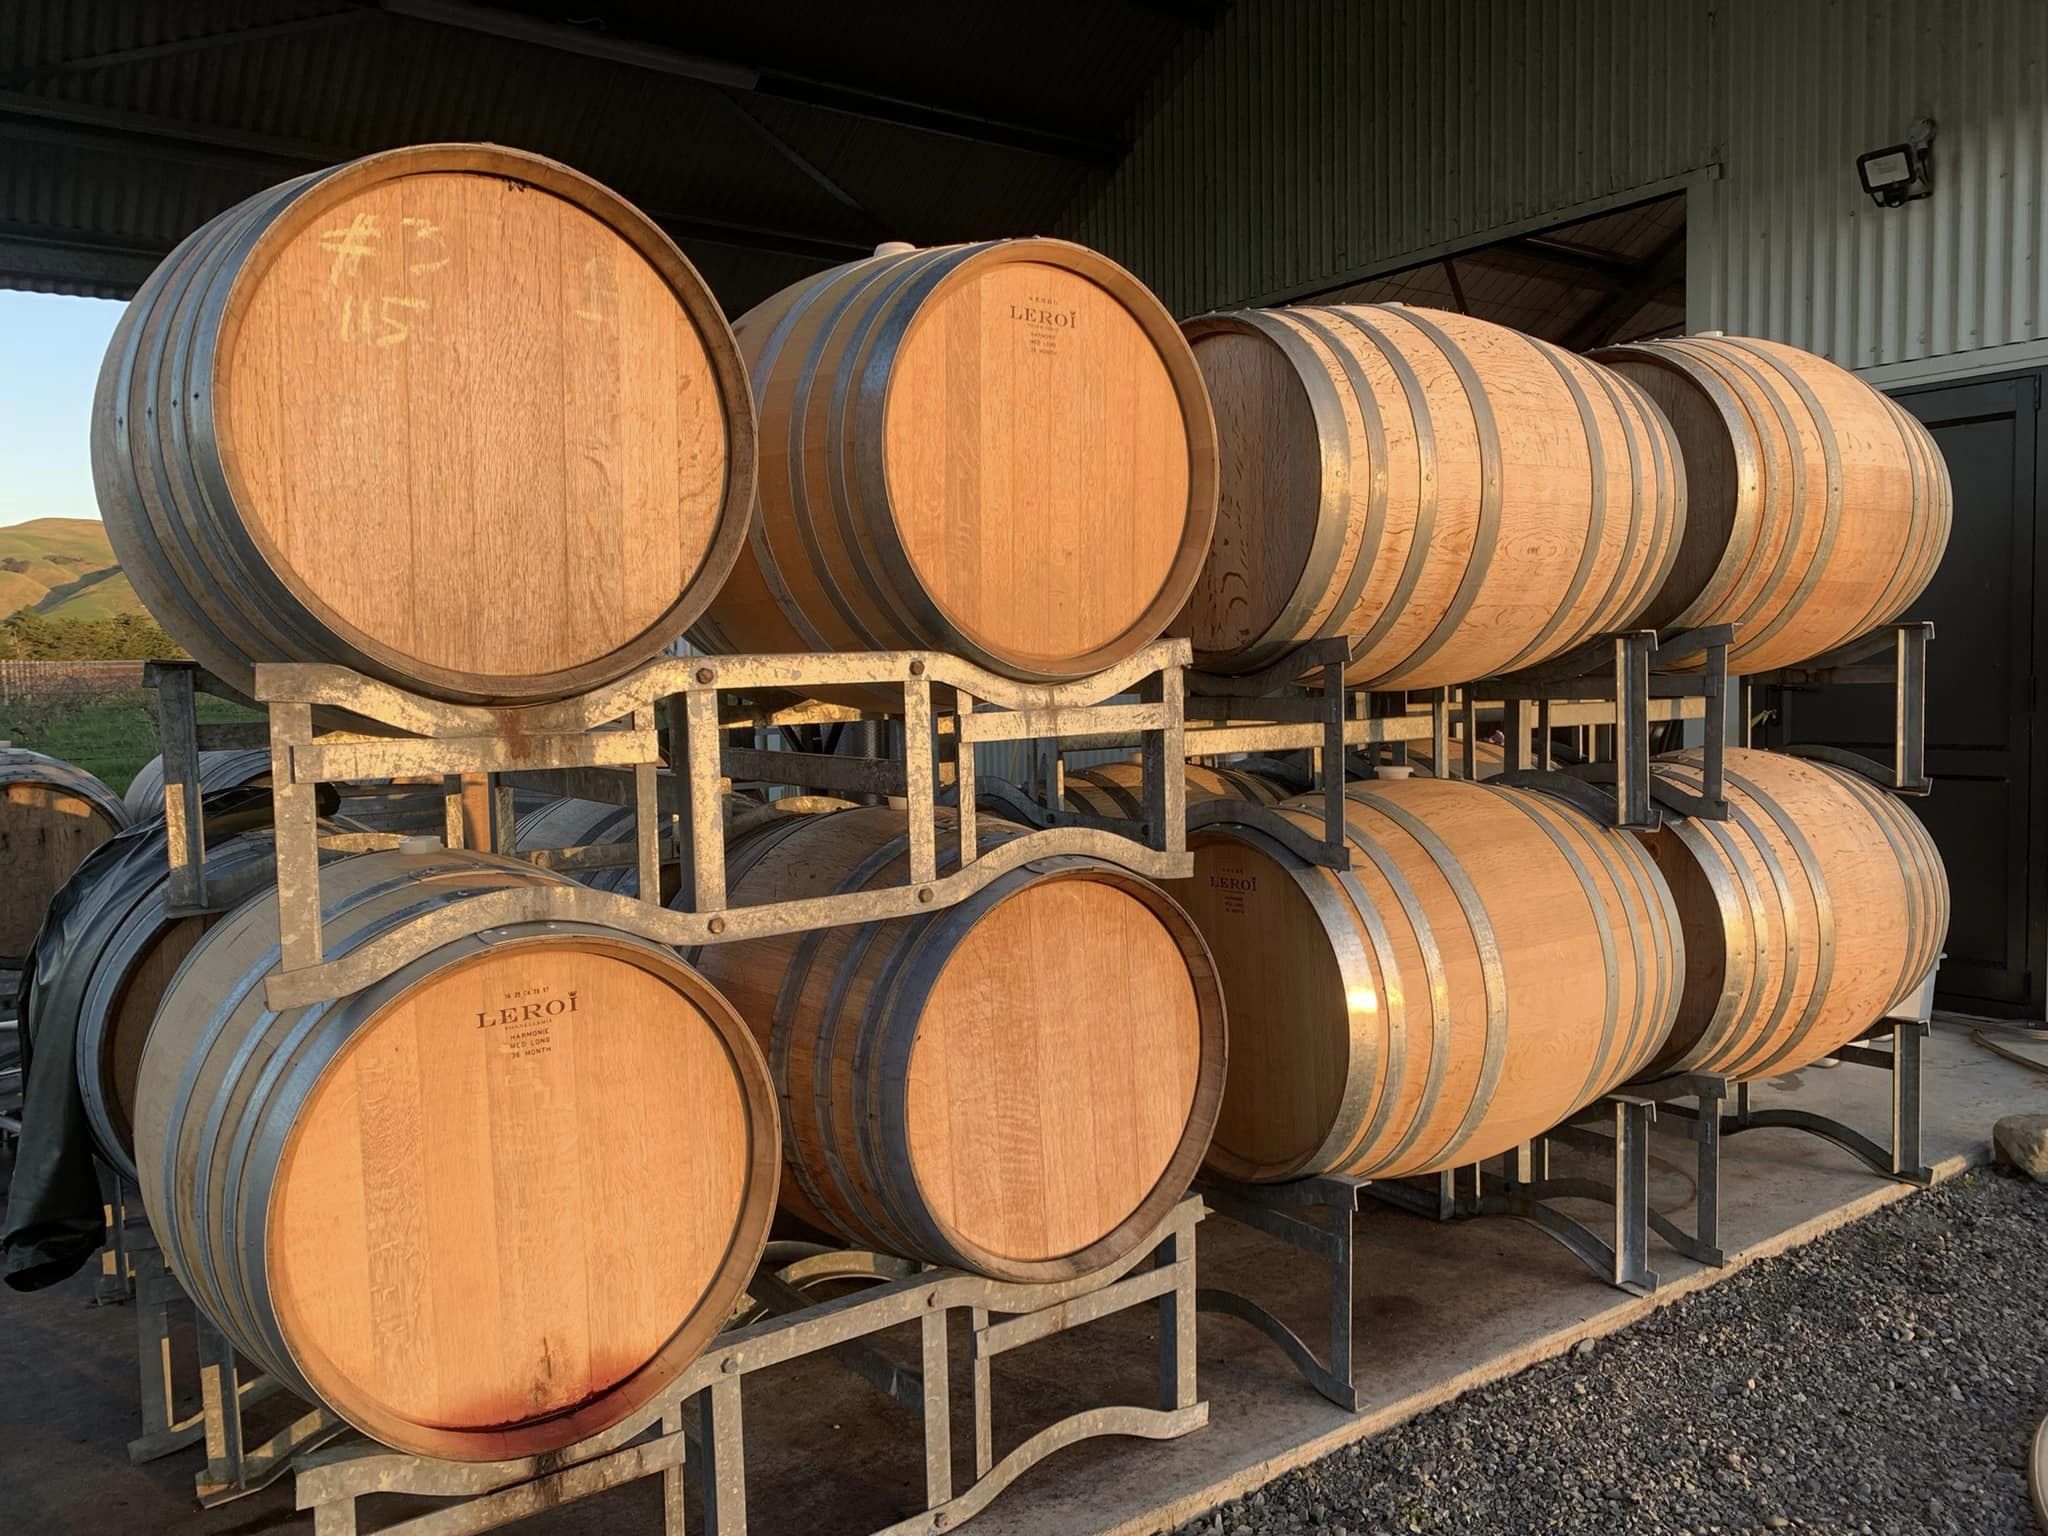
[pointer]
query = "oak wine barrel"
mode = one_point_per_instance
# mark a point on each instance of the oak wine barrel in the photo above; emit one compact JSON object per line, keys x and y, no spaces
{"x":1815,"y":909}
{"x":111,"y":945}
{"x":1455,"y":498}
{"x":453,"y":415}
{"x":1489,"y":759}
{"x":1492,"y":961}
{"x":1118,"y":789}
{"x":570,"y":823}
{"x":1817,"y":510}
{"x":1002,"y":450}
{"x":52,"y":814}
{"x":218,"y":770}
{"x":410,"y":805}
{"x":486,"y":1208}
{"x":1021,"y":1084}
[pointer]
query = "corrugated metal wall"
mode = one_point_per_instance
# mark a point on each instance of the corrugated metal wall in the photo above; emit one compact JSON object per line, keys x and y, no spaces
{"x":1313,"y":142}
{"x":1791,"y":247}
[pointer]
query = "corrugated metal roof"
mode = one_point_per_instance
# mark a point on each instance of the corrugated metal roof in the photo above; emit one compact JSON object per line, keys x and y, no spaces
{"x":122,"y":126}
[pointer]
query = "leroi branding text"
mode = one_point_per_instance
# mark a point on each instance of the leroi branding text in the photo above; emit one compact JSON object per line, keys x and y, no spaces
{"x":526,"y":1013}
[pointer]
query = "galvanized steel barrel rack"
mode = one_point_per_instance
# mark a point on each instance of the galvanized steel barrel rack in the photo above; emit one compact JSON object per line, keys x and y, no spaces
{"x":701,"y":1414}
{"x":778,"y":1321}
{"x":1316,"y":1216}
{"x":328,"y":723}
{"x":1615,"y":688}
{"x":181,"y":737}
{"x":1865,"y":663}
{"x":214,"y":1409}
{"x":1898,"y":1155}
{"x":1709,"y":1107}
{"x":1693,"y":1106}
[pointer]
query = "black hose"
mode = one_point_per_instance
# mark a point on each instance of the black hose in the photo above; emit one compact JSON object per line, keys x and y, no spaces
{"x":1981,"y":1031}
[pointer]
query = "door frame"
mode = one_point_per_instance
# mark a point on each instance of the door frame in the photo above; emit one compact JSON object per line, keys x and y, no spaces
{"x":2017,"y":392}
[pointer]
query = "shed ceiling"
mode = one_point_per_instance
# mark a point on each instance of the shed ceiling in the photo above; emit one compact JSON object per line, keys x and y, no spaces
{"x":771,"y":139}
{"x":1616,"y":277}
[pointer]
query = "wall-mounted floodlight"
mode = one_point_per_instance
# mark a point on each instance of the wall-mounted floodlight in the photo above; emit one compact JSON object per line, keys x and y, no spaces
{"x":1900,"y":173}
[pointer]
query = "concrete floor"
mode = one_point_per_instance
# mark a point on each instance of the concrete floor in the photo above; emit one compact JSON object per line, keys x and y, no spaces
{"x":1439,"y":1310}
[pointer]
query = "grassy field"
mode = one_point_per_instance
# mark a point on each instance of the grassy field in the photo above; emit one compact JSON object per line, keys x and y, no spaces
{"x":110,"y":737}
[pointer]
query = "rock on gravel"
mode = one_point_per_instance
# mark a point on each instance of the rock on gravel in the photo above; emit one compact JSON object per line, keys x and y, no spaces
{"x":1882,"y":1381}
{"x":2020,"y":1142}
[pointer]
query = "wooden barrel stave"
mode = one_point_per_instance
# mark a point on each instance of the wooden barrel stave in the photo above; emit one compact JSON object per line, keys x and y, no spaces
{"x":1650,"y":442}
{"x":1373,"y":490}
{"x":1401,"y":1016}
{"x":197,"y":467}
{"x":879,"y":1037}
{"x":1816,"y":908}
{"x":199,"y":506}
{"x":279,"y":1147}
{"x":876,"y":530}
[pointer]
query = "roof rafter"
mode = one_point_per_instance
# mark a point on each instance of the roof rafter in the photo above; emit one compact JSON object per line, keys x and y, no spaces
{"x":52,"y":69}
{"x":1652,"y":275}
{"x":826,"y":95}
{"x":76,"y":124}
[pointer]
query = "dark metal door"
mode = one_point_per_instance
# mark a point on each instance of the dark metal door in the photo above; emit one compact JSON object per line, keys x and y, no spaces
{"x":1989,"y":809}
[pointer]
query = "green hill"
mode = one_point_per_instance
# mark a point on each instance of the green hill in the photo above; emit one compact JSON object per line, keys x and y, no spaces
{"x":64,"y":568}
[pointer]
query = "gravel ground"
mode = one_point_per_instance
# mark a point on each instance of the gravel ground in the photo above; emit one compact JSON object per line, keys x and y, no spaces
{"x":1885,"y":1380}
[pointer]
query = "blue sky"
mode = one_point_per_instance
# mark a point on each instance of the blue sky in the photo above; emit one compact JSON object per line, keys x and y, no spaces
{"x":50,"y":350}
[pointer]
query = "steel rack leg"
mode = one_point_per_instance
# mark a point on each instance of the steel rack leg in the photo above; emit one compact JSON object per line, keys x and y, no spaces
{"x":724,"y":1478}
{"x":1903,"y":1159}
{"x":1177,"y":1360}
{"x":164,"y":1430}
{"x":116,"y":1282}
{"x":1527,"y":1186}
{"x":937,"y":1411}
{"x":1700,"y":1123}
{"x":1267,"y":1208}
{"x":235,"y":1468}
{"x":217,"y":1421}
{"x":1434,"y":1197}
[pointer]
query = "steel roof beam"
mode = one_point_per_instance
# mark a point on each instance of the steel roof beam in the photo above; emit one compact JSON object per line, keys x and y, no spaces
{"x":1584,"y":258}
{"x":53,"y":69}
{"x":87,"y":120}
{"x":827,"y":95}
{"x":30,"y":254}
{"x":1656,"y":272}
{"x":77,"y":125}
{"x":1189,"y":13}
